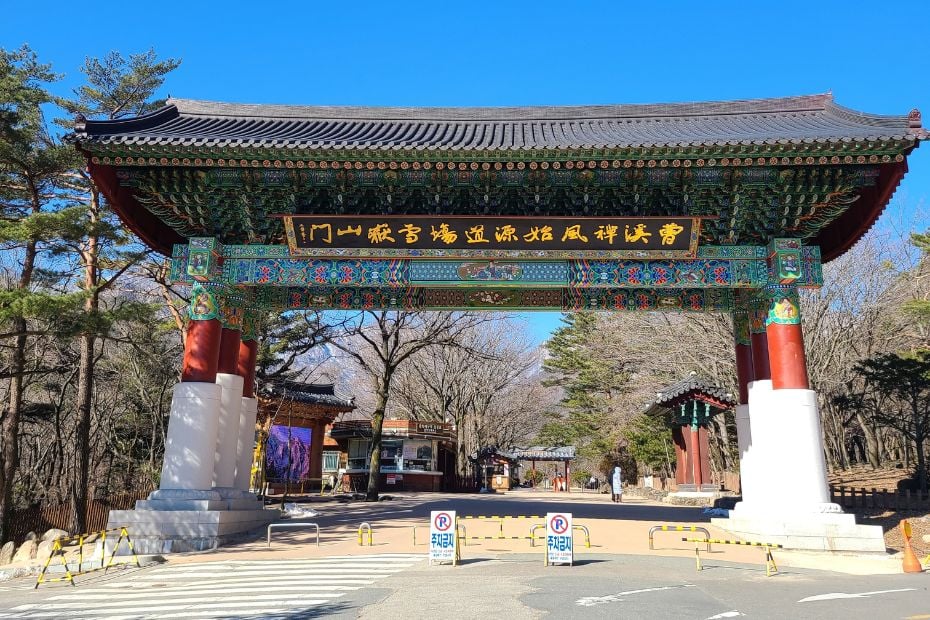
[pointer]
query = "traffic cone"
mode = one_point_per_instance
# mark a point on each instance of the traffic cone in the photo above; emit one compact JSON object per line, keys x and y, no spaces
{"x":910,"y":562}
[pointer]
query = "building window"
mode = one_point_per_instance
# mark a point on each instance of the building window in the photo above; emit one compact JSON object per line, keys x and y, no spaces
{"x":418,"y":455}
{"x":358,"y":454}
{"x":330,"y":460}
{"x":392,"y":455}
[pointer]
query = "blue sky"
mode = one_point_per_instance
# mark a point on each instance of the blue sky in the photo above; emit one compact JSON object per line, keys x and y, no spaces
{"x":873,"y":57}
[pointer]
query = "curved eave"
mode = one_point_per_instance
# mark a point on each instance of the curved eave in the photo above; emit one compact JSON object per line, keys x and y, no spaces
{"x":151,"y":230}
{"x":846,"y":230}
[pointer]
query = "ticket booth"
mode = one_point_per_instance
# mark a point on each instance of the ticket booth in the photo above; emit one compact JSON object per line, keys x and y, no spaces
{"x":495,"y":469}
{"x":413,"y":454}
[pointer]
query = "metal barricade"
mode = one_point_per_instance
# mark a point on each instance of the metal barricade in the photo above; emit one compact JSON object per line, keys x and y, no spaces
{"x":279,"y":526}
{"x":583,"y":528}
{"x":770,"y":566}
{"x":587,"y":535}
{"x":677,"y":528}
{"x":533,"y":537}
{"x":60,"y":546}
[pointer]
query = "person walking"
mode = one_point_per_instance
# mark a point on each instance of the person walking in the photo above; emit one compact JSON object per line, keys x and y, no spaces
{"x":616,"y":485}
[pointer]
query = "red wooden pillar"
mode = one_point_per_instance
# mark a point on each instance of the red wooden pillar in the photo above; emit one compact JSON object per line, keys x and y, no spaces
{"x":248,"y":353}
{"x":760,"y":345}
{"x":706,"y":476}
{"x":245,"y":368}
{"x":743,"y":346}
{"x":201,"y":351}
{"x":229,"y":351}
{"x":696,"y":456}
{"x":317,"y":432}
{"x":683,"y":473}
{"x":786,"y":342}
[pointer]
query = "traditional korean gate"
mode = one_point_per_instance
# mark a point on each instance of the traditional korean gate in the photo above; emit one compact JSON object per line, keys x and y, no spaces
{"x":713,"y":207}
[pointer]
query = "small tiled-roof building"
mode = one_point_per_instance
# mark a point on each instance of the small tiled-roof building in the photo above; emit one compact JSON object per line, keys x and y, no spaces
{"x":304,"y":405}
{"x":688,"y":406}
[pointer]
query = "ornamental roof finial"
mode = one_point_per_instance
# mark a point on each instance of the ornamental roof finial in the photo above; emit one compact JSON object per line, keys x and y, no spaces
{"x":913,"y":119}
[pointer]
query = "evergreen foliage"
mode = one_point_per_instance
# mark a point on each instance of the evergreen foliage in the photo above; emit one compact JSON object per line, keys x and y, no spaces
{"x":590,"y":383}
{"x":649,"y":440}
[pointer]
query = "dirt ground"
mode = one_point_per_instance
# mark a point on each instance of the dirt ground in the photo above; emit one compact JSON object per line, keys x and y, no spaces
{"x":890,"y":520}
{"x":863,"y":476}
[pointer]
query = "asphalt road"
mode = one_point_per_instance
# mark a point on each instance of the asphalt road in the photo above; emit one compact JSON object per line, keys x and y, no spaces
{"x":489,"y":585}
{"x":637,"y":587}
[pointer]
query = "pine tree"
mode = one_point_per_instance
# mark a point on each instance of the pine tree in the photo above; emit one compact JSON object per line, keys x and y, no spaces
{"x":32,"y":167}
{"x":116,"y":87}
{"x":590,"y":381}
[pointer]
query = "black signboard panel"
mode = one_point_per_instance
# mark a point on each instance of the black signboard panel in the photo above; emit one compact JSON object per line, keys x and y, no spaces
{"x":427,"y":235}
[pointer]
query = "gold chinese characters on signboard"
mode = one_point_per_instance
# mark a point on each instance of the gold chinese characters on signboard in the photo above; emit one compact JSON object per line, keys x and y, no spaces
{"x":323,"y":235}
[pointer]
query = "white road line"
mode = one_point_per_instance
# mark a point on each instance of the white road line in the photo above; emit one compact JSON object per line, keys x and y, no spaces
{"x":293,"y":601}
{"x":726,"y":614}
{"x":260,"y":571}
{"x":227,"y":589}
{"x":290,"y":563}
{"x":280,"y":571}
{"x":222,"y":570}
{"x":244,"y":582}
{"x":591,"y":601}
{"x":161,"y":592}
{"x":838,"y":595}
{"x":264,"y":614}
{"x":204,"y":580}
{"x":149,"y":610}
{"x":198,"y":600}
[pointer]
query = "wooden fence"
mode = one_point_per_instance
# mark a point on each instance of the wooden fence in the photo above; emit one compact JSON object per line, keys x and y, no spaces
{"x":851,"y":497}
{"x":727,"y":480}
{"x":39,"y":519}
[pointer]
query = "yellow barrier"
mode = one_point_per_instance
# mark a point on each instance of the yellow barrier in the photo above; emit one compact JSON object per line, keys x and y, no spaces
{"x":770,"y":566}
{"x":677,"y":528}
{"x":58,"y":550}
{"x":533,"y":537}
{"x":367,"y":526}
{"x":500,"y":519}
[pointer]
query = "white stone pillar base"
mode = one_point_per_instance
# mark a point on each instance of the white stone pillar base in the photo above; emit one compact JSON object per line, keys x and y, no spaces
{"x":245,"y":449}
{"x":227,"y":434}
{"x":191,"y":441}
{"x":744,"y":442}
{"x":787,"y":470}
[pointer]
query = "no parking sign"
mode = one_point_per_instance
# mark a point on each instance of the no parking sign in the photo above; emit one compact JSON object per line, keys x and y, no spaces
{"x":559,"y":548}
{"x":443,"y":543}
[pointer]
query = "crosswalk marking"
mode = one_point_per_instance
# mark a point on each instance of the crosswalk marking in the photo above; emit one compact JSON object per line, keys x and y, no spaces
{"x":220,"y":589}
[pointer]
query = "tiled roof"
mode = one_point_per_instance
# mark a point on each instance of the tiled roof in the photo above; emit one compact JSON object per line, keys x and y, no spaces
{"x":308,"y":393}
{"x":542,"y":453}
{"x":689,"y":388}
{"x":492,"y":452}
{"x":792,"y":120}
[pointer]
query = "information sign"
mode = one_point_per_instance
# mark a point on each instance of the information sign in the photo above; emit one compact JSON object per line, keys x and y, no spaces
{"x":443,"y":543}
{"x":559,"y":549}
